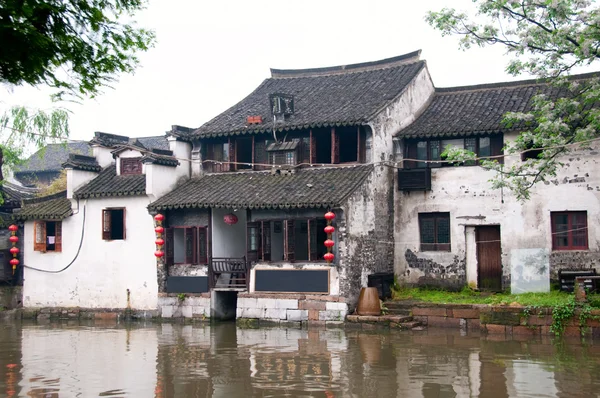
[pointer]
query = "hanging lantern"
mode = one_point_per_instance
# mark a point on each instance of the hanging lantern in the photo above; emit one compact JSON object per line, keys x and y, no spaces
{"x":14,"y":239}
{"x":329,"y":229}
{"x":159,"y":230}
{"x":14,"y":262}
{"x":329,"y":243}
{"x":159,"y":241}
{"x":14,"y":250}
{"x":159,"y":217}
{"x":329,"y":257}
{"x":329,"y":216}
{"x":230,"y":219}
{"x":13,"y":228}
{"x":159,"y":253}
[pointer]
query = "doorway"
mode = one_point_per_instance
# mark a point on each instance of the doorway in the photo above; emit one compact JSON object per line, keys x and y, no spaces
{"x":489,"y":258}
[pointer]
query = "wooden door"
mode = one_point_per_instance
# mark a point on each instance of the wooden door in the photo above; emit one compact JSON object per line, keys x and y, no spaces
{"x":489,"y":260}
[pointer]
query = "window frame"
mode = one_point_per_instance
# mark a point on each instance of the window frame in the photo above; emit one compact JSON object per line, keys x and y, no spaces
{"x":107,"y":224}
{"x":436,"y":246}
{"x":570,"y":230}
{"x":41,"y":225}
{"x":199,"y":234}
{"x":136,"y":162}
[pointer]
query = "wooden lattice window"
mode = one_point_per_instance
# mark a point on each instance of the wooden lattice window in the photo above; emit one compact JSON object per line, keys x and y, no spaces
{"x":569,"y":230}
{"x":434,"y":229}
{"x":131,"y":166}
{"x":47,"y":236}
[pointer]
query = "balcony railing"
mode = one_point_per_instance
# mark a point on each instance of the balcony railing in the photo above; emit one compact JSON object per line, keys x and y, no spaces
{"x":224,"y":272}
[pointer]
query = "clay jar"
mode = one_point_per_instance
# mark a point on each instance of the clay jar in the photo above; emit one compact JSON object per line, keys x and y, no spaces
{"x":368,"y":302}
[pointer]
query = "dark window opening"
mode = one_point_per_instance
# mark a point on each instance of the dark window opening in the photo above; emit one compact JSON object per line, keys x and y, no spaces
{"x":532,"y":152}
{"x":47,"y":236}
{"x":322,"y":139}
{"x":216,"y":156}
{"x":348,"y":144}
{"x":426,"y":153}
{"x":569,"y":230}
{"x":434,"y":230}
{"x":113,"y":224}
{"x":243,"y":153}
{"x":186,"y":245}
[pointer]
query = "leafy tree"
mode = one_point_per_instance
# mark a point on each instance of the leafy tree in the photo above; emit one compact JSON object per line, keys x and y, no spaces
{"x":75,"y":47}
{"x":546,"y":39}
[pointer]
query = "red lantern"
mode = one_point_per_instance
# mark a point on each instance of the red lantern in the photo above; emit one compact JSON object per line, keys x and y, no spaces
{"x":159,"y":230}
{"x":230,"y":219}
{"x":160,"y":241}
{"x":159,"y":253}
{"x":14,"y":239}
{"x":329,"y":257}
{"x":14,"y":250}
{"x":329,"y":243}
{"x":13,"y":228}
{"x":159,"y":217}
{"x":329,"y":216}
{"x":14,"y":262}
{"x":329,"y":229}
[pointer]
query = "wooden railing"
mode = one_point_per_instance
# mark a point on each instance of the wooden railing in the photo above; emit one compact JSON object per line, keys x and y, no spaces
{"x":224,"y":272}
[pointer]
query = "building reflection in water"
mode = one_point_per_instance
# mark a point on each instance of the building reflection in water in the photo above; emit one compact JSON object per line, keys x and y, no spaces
{"x":224,"y":361}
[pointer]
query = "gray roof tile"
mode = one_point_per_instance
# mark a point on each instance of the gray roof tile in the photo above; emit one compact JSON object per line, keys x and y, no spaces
{"x":108,"y":183}
{"x":52,"y":156}
{"x":53,"y":207}
{"x":314,"y":187}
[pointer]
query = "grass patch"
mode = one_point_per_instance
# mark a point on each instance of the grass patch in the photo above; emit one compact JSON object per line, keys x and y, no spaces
{"x":468,"y":296}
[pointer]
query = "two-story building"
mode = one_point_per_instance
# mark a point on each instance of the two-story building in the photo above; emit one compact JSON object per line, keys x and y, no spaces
{"x":452,"y":229}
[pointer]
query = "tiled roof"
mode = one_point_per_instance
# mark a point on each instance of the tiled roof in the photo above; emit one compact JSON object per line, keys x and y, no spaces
{"x":314,"y":187}
{"x":82,"y":162}
{"x":108,"y":183}
{"x":158,"y":142}
{"x":52,"y":156}
{"x":53,"y":207}
{"x":339,"y":95}
{"x":16,"y":193}
{"x":115,"y":140}
{"x":477,"y":109}
{"x":160,"y":156}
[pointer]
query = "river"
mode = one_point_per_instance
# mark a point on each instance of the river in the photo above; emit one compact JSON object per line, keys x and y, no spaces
{"x":166,"y":360}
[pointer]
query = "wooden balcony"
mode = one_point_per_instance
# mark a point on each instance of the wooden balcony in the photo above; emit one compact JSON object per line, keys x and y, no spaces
{"x":228,"y":273}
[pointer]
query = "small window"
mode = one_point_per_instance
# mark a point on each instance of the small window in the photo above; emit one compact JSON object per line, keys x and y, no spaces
{"x":48,"y":236}
{"x":113,"y":224}
{"x":186,"y":245}
{"x":131,"y":166}
{"x":569,"y":230}
{"x":435,"y":231}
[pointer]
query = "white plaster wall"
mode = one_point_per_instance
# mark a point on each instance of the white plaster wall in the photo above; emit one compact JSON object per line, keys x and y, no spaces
{"x":228,"y":240}
{"x":87,"y":363}
{"x":466,"y":193}
{"x":103,"y":155}
{"x":77,"y":178}
{"x":160,"y":179}
{"x":181,"y":150}
{"x":104,"y":270}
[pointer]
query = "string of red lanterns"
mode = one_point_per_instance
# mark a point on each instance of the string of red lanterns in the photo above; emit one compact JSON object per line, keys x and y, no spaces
{"x":329,"y":243}
{"x":14,"y":250}
{"x":159,"y":229}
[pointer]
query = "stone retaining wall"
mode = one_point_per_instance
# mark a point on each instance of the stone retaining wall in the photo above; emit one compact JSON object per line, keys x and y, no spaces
{"x":196,"y":306}
{"x":11,"y":297}
{"x":501,"y":319}
{"x":291,"y":308}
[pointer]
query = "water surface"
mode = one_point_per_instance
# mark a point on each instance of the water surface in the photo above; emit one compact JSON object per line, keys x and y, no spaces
{"x":164,"y":360}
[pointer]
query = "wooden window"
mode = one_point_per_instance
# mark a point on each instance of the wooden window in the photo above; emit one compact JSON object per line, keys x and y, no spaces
{"x":186,"y":245}
{"x":131,"y":166}
{"x":218,"y":155}
{"x":47,"y":236}
{"x":113,"y":224}
{"x":569,"y":230}
{"x":434,"y":229}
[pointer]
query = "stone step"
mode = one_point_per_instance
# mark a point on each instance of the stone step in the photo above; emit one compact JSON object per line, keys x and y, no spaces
{"x":379,"y":319}
{"x":405,"y":325}
{"x":397,"y":308}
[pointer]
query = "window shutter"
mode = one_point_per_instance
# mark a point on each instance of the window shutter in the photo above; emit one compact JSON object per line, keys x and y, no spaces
{"x":169,"y":246}
{"x":290,"y":241}
{"x":266,"y":240}
{"x":496,"y":145}
{"x":335,"y":146}
{"x":411,"y":153}
{"x":362,"y":145}
{"x":202,"y":244}
{"x":106,"y":224}
{"x":253,"y":241}
{"x":209,"y":237}
{"x":124,"y":225}
{"x":312,"y":240}
{"x":190,"y":245}
{"x":232,"y":156}
{"x":313,"y":148}
{"x":39,"y":243}
{"x":58,"y":238}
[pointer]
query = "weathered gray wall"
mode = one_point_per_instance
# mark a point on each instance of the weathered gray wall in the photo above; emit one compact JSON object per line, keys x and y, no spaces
{"x":11,"y":297}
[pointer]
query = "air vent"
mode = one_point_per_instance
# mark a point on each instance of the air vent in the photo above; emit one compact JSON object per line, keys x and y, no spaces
{"x":414,"y":179}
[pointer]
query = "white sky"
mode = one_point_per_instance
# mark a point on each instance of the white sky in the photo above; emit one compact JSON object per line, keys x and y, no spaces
{"x":211,"y":54}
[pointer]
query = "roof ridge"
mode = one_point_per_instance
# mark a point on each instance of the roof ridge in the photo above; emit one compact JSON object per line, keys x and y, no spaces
{"x":512,"y":84}
{"x":58,"y":195}
{"x":399,"y":60}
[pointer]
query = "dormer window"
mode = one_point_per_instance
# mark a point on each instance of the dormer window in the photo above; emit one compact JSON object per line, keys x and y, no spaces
{"x":131,"y":166}
{"x":283,"y":153}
